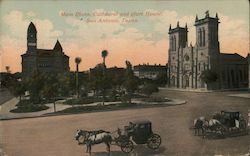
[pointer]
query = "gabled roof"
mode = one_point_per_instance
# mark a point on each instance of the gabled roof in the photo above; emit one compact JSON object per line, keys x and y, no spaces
{"x":58,"y":46}
{"x":231,"y":58}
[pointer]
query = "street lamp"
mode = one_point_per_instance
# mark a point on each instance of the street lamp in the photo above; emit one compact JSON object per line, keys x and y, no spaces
{"x":77,"y":61}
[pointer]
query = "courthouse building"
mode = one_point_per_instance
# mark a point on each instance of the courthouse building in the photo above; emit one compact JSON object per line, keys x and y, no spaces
{"x":42,"y":60}
{"x":187,"y":62}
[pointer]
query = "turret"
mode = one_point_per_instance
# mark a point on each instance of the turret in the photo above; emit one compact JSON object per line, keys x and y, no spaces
{"x":31,"y":38}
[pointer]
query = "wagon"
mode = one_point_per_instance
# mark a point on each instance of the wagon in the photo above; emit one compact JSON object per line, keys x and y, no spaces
{"x":138,"y":132}
{"x":232,"y":124}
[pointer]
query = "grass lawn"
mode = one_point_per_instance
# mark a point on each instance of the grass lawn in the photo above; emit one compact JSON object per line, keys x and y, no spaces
{"x":25,"y":106}
{"x":88,"y":100}
{"x":82,"y":109}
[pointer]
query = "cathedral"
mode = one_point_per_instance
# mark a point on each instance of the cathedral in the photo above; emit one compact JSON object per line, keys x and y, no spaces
{"x":42,"y":60}
{"x":188,"y":62}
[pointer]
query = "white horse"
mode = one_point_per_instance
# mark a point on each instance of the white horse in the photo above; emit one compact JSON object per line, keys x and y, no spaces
{"x":94,"y":137}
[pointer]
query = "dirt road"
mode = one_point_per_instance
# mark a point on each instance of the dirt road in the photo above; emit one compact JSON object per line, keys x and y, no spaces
{"x":53,"y":136}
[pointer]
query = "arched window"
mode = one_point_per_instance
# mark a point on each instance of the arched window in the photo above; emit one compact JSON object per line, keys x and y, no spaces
{"x":171,"y":43}
{"x":200,"y":37}
{"x":174,"y":43}
{"x":203,"y":37}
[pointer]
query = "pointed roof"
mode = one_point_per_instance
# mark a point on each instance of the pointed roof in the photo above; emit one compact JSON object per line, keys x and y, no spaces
{"x":32,"y":27}
{"x":58,"y":46}
{"x":196,"y":18}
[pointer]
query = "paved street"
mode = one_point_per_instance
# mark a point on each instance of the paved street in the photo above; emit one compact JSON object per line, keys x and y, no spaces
{"x":53,"y":136}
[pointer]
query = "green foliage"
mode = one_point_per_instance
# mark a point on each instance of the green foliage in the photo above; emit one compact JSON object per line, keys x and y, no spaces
{"x":161,"y":79}
{"x":81,"y":109}
{"x":148,"y":89}
{"x":26,"y":106}
{"x":209,"y":76}
{"x":89,"y":100}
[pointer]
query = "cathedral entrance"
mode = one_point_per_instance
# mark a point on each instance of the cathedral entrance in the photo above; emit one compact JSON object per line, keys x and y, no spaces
{"x":186,"y":81}
{"x":172,"y":82}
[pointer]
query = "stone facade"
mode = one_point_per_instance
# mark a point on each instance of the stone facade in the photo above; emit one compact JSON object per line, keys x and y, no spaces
{"x":42,"y":60}
{"x":149,"y":71}
{"x":188,"y":62}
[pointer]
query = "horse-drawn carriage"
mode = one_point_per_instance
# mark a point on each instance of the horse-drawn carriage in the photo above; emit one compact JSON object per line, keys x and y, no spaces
{"x":137,"y":132}
{"x":223,"y":124}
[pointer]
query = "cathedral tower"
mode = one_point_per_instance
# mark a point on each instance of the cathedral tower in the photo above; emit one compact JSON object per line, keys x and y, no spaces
{"x":177,"y":41}
{"x":207,"y":40}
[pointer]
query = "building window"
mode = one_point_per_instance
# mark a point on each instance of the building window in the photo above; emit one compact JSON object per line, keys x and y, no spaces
{"x":171,"y":43}
{"x":199,"y":37}
{"x":174,"y":46}
{"x":203,"y":37}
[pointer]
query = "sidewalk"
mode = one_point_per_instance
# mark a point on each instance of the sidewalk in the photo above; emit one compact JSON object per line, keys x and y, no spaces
{"x":242,"y":95}
{"x":9,"y":105}
{"x":202,"y":90}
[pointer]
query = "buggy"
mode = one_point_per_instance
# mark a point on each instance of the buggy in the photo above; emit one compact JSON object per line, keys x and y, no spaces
{"x":138,"y":132}
{"x":232,"y":124}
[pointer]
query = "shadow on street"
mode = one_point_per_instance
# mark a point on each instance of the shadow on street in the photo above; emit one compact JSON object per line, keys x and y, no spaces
{"x":140,"y":150}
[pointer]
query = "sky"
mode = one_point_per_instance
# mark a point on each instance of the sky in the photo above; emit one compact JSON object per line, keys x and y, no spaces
{"x":130,"y":30}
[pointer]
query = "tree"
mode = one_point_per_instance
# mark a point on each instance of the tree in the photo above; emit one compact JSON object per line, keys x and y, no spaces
{"x":104,"y":55}
{"x":35,"y":85}
{"x":131,"y":82}
{"x":149,"y":88}
{"x":161,"y":79}
{"x":209,"y":76}
{"x":77,"y":61}
{"x":18,"y":89}
{"x":7,"y":69}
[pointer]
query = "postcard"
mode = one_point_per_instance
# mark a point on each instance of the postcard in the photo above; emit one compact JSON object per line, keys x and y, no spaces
{"x":124,"y":78}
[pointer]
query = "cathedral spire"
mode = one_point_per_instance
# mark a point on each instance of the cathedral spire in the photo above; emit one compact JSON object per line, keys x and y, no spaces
{"x":216,"y":16}
{"x":207,"y":13}
{"x":178,"y":24}
{"x":169,"y":27}
{"x":186,"y":26}
{"x":196,"y":18}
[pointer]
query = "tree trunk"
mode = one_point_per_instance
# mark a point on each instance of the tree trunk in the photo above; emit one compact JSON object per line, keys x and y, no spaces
{"x":54,"y":106}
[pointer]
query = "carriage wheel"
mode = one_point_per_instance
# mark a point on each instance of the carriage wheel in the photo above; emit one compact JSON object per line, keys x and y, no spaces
{"x":154,"y":142}
{"x":127,"y":146}
{"x":243,"y":124}
{"x":121,"y":139}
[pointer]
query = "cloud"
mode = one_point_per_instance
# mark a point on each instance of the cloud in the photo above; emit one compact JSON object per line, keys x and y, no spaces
{"x":233,"y":33}
{"x":124,"y":42}
{"x":30,"y":14}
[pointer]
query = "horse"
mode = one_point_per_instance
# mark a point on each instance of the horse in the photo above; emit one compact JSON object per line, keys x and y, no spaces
{"x":95,"y":137}
{"x":214,"y":125}
{"x":199,"y":125}
{"x":81,"y":133}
